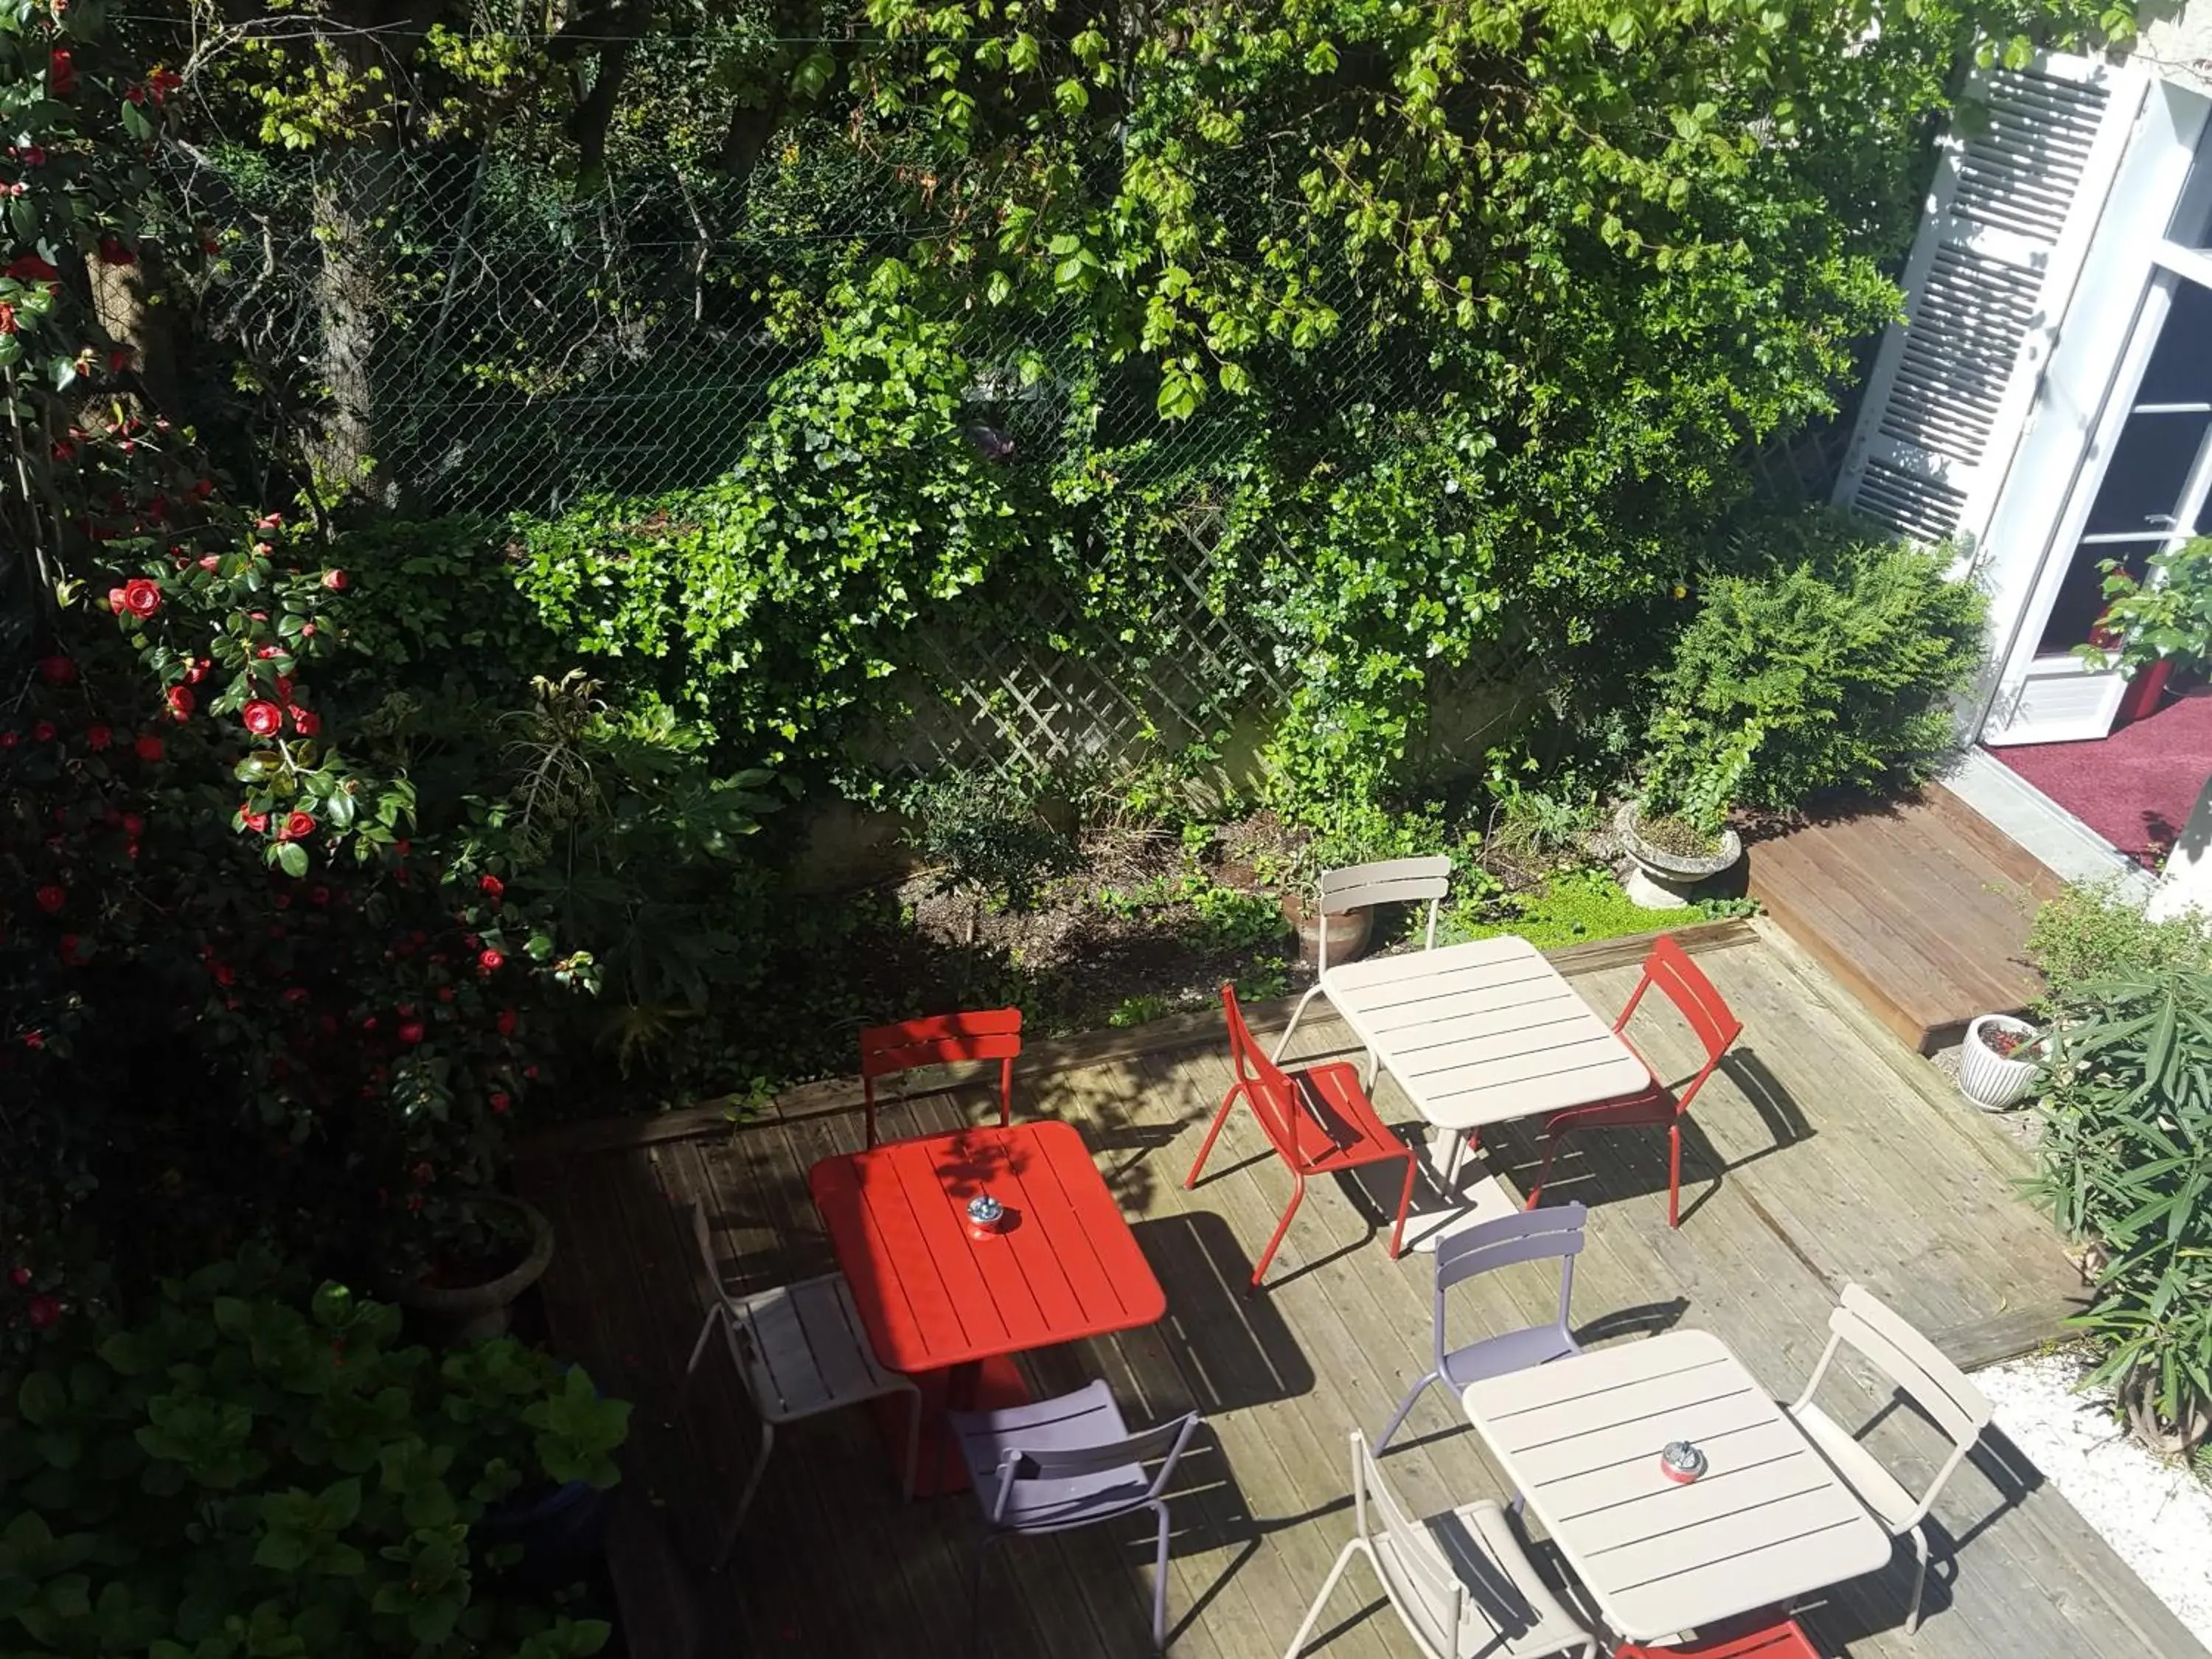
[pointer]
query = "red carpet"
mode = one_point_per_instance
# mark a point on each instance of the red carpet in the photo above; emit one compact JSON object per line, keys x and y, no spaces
{"x":2136,"y":788}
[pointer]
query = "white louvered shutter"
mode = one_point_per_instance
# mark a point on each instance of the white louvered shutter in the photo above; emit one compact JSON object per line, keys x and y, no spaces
{"x":2021,"y":177}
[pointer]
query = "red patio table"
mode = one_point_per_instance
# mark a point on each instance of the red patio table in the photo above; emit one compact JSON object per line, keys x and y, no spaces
{"x":949,"y":1307}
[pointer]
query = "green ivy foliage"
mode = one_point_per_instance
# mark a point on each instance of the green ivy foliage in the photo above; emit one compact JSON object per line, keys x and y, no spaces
{"x":768,"y":602}
{"x":1821,"y":658}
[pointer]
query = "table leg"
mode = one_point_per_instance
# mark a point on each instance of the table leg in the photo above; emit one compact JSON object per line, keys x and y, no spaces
{"x":983,"y":1385}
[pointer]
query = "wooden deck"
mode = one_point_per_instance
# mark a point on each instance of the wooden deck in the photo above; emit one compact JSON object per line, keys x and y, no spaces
{"x":1921,"y":907}
{"x":1821,"y":1154}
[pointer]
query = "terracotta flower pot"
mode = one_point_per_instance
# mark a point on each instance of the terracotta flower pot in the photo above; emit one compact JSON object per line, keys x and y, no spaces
{"x":1348,"y":932}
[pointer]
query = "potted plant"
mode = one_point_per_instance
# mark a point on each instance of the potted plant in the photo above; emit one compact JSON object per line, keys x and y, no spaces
{"x":464,"y":1259}
{"x":1347,"y":841}
{"x":1676,"y":833}
{"x":253,"y":1463}
{"x":1999,"y":1061}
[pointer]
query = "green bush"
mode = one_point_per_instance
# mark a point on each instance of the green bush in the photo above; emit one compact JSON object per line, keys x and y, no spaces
{"x":256,"y":1470}
{"x":2125,"y":1162}
{"x":2089,"y":932}
{"x":1571,"y":907}
{"x":1836,"y":648}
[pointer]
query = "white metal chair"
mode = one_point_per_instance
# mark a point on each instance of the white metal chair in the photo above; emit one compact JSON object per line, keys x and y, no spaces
{"x":799,"y":1350}
{"x":1459,"y":1580}
{"x":1923,"y":1375}
{"x":1357,"y":887}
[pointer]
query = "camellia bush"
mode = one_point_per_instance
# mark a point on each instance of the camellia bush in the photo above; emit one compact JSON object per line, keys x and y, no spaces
{"x":255,"y":1469}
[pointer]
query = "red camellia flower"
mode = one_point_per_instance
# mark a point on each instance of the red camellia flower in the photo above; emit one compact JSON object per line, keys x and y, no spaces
{"x":295,"y":993}
{"x":500,"y":1102}
{"x":297,"y":826}
{"x":29,"y":268}
{"x":61,"y":73}
{"x":334,"y":580}
{"x":491,"y":962}
{"x":148,"y":747}
{"x":142,"y":597}
{"x":197,"y":671}
{"x":223,"y":973}
{"x":97,"y":738}
{"x":57,"y":670}
{"x":505,"y":1022}
{"x":112,"y":253}
{"x":181,"y":701}
{"x":445,"y":994}
{"x":269,"y":521}
{"x":133,"y":824}
{"x":52,"y":898}
{"x":35,"y":1039}
{"x":10,"y":740}
{"x":73,"y":948}
{"x":283,"y":688}
{"x":45,"y":732}
{"x":43,"y":1309}
{"x":263,"y":719}
{"x":115,"y":600}
{"x":411,"y":1032}
{"x":257,"y":822}
{"x":307,"y":721}
{"x":491,"y":884}
{"x":19,"y":1277}
{"x":7,"y":318}
{"x":211,"y":562}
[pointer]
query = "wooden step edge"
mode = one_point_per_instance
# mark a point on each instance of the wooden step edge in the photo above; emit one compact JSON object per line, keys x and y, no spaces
{"x":2016,"y":861}
{"x":1067,"y":1053}
{"x":1828,"y":920}
{"x":1896,"y":1019}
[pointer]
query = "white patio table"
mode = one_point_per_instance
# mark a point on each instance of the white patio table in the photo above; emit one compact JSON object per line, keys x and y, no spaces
{"x":1768,"y":1522}
{"x":1479,"y":1033}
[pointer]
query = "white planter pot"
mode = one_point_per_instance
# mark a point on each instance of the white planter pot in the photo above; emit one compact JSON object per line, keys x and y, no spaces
{"x":1993,"y":1081}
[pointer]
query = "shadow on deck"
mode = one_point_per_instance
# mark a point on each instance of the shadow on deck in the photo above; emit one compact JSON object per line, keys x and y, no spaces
{"x":1824,"y":1153}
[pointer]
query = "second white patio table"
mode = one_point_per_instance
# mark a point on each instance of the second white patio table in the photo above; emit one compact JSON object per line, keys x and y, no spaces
{"x":1479,"y":1033}
{"x":1768,"y":1522}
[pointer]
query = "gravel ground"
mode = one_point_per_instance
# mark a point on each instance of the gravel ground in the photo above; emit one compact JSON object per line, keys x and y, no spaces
{"x":2156,"y":1516}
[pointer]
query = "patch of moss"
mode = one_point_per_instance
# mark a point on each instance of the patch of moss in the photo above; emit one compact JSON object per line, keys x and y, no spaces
{"x":1571,"y":909}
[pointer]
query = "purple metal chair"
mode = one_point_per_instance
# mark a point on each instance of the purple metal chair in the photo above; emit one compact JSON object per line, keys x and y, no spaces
{"x":1054,"y":1465}
{"x":1529,"y":1236}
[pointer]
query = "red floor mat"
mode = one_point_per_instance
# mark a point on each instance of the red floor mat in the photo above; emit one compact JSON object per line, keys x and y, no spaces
{"x":2136,"y":788}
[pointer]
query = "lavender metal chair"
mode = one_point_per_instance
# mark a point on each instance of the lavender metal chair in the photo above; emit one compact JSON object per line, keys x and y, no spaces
{"x":1529,"y":1236}
{"x":1054,"y":1465}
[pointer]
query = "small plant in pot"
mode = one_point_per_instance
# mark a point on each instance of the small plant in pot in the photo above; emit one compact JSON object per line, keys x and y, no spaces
{"x":1676,"y":833}
{"x":1999,"y":1061}
{"x":463,"y":1259}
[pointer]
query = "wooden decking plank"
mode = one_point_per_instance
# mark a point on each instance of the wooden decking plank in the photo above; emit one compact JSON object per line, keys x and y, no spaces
{"x":2018,"y":864}
{"x":1922,"y":906}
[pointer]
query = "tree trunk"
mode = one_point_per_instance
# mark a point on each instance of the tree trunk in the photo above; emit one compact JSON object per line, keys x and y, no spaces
{"x":352,"y":193}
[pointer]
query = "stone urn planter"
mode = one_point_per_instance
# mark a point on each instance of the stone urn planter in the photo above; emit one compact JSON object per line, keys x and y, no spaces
{"x":1661,"y":880}
{"x":1992,"y":1071}
{"x":1348,"y":931}
{"x":456,"y":1311}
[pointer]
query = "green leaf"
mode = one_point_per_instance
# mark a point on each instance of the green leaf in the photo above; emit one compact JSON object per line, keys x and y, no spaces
{"x":42,"y":1400}
{"x":292,"y":859}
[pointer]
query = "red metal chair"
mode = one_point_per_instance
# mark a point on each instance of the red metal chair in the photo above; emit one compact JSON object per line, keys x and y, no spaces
{"x":1785,"y":1640}
{"x":942,"y":1040}
{"x":1318,"y":1120}
{"x":1686,"y":986}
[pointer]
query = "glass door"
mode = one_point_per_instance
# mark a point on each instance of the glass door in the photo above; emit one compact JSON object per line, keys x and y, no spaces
{"x":2143,"y":488}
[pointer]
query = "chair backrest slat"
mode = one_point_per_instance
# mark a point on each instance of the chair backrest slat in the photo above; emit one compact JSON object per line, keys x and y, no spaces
{"x":1414,"y":1568}
{"x":940,"y":1040}
{"x":1527,"y":1236}
{"x":1669,"y":968}
{"x":1914,"y":1364}
{"x":1162,"y":1440}
{"x":1273,"y":1096}
{"x":1393,"y":881}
